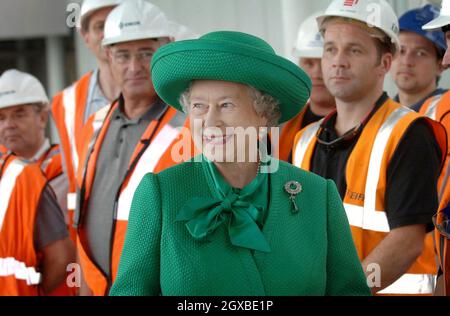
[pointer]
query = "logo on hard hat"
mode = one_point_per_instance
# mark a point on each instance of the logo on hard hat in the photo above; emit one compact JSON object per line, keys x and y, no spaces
{"x":395,"y":28}
{"x":350,"y":3}
{"x":2,"y":94}
{"x":128,"y":24}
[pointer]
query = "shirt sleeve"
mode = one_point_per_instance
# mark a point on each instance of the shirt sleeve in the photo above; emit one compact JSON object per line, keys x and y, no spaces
{"x":139,"y":267}
{"x":50,"y":225}
{"x":412,"y":175}
{"x":345,"y":276}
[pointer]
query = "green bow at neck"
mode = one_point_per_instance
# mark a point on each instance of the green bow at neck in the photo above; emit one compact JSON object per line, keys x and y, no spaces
{"x":242,"y":209}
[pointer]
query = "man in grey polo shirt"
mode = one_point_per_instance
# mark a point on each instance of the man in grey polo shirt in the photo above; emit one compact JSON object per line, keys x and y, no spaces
{"x":133,"y":138}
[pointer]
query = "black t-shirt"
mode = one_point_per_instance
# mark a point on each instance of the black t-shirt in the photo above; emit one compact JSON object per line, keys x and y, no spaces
{"x":412,"y":174}
{"x":310,"y":117}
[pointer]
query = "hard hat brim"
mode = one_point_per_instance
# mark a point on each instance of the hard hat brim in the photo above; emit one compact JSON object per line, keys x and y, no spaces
{"x":132,"y":37}
{"x":437,"y":23}
{"x":309,"y":53}
{"x":23,"y":101}
{"x":393,"y":37}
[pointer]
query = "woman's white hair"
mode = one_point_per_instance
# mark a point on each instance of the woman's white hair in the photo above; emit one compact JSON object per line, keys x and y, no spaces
{"x":265,"y":105}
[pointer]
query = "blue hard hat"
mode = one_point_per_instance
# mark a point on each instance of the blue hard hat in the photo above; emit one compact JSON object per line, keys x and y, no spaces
{"x":413,"y":20}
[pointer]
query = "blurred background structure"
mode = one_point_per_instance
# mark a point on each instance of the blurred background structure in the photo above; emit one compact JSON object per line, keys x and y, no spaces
{"x":38,"y":36}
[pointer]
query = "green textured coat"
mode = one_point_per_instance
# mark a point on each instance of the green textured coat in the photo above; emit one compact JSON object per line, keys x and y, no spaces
{"x":312,"y":251}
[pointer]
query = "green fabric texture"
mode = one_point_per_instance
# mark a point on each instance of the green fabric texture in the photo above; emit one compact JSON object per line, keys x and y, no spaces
{"x":312,"y":251}
{"x":230,"y":56}
{"x":242,"y":210}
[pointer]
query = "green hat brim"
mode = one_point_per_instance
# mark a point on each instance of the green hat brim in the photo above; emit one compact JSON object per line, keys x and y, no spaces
{"x":175,"y":65}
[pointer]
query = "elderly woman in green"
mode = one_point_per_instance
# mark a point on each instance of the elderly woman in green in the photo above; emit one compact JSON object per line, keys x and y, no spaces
{"x":225,"y":226}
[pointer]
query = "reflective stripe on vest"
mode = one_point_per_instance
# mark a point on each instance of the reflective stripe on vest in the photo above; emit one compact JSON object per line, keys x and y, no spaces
{"x":69,"y":102}
{"x":303,"y":143}
{"x":12,"y":267}
{"x":7,"y":184}
{"x":432,"y":109}
{"x":146,"y":164}
{"x":421,"y":283}
{"x":368,"y":217}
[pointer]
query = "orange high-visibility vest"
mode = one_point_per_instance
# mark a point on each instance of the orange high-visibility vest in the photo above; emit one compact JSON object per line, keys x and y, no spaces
{"x":152,"y":154}
{"x":3,"y":150}
{"x":366,"y":173}
{"x":442,"y":243}
{"x":21,"y":186}
{"x":68,"y":109}
{"x":288,"y":134}
{"x":438,"y":108}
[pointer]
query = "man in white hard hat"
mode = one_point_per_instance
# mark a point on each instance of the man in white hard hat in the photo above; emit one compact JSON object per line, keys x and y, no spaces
{"x":74,"y":105}
{"x":438,"y":109}
{"x":123,"y":143}
{"x":308,"y":50}
{"x":370,"y":149}
{"x":25,"y":122}
{"x":35,"y":247}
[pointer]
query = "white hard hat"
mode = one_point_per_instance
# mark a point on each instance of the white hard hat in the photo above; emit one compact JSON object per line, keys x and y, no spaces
{"x":309,"y":42}
{"x":442,"y":20}
{"x":135,"y":20}
{"x":90,"y":6}
{"x":375,"y":13}
{"x":17,"y":88}
{"x":181,"y":32}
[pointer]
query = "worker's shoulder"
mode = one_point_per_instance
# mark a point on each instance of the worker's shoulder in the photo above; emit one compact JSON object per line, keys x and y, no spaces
{"x":82,"y":80}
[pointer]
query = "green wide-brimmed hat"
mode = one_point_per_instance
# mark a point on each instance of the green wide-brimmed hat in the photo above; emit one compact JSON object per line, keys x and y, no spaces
{"x":230,"y":56}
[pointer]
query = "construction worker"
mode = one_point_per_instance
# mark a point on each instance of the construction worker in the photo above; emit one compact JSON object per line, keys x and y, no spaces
{"x":418,"y":66}
{"x":439,"y":109}
{"x":25,"y":136}
{"x":35,"y":247}
{"x":308,"y":50}
{"x":74,"y":105}
{"x":369,"y":148}
{"x":124,"y":142}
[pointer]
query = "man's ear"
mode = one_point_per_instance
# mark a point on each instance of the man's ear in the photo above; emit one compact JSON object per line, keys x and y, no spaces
{"x":84,"y":33}
{"x":108,"y":52}
{"x":386,"y":63}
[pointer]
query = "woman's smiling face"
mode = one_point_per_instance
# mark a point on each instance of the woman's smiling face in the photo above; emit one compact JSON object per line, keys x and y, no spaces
{"x":229,"y":122}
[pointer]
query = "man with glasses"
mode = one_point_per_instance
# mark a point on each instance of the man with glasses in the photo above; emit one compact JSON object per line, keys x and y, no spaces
{"x":124,"y":142}
{"x":384,"y":158}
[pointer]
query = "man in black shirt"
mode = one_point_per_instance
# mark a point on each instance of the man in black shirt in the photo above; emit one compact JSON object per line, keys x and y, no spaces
{"x":384,"y":159}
